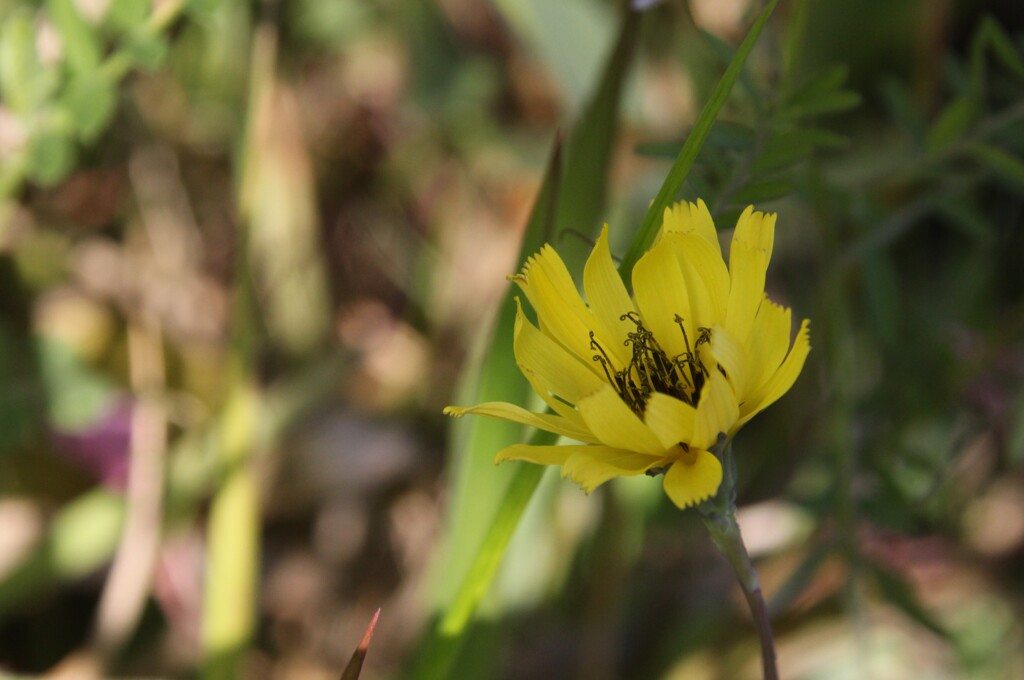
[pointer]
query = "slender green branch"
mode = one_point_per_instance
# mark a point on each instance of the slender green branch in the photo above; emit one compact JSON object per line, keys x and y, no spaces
{"x":719,"y":516}
{"x":725,"y":533}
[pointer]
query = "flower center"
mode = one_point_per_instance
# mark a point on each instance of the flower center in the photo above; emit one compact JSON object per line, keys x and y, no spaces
{"x":651,"y":370}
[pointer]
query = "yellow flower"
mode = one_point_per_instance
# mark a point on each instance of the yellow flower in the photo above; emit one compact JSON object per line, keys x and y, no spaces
{"x":649,"y":383}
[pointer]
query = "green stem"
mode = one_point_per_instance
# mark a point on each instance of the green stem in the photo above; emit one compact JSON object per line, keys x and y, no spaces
{"x":725,"y":533}
{"x":719,"y":516}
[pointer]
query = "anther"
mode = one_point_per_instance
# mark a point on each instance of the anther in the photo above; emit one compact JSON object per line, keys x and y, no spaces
{"x":632,"y":316}
{"x":679,"y":322}
{"x":651,"y":370}
{"x":603,"y":358}
{"x":689,"y":456}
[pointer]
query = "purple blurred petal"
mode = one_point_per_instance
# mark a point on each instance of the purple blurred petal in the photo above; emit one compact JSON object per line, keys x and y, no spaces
{"x":102,"y":448}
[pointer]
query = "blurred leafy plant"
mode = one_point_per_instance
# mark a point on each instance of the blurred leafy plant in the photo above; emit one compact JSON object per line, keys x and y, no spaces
{"x":60,"y":70}
{"x":954,"y":172}
{"x":761,"y":153}
{"x":901,"y":422}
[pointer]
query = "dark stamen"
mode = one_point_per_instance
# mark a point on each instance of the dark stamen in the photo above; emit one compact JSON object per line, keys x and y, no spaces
{"x":602,"y":357}
{"x":651,"y":370}
{"x":679,"y":322}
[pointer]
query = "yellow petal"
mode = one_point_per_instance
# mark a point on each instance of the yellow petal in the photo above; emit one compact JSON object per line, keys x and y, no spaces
{"x":685,"y":218}
{"x":688,"y":484}
{"x":670,"y":419}
{"x":780,"y":382}
{"x":707,"y":278}
{"x":732,"y":357}
{"x":591,"y":466}
{"x":661,"y":295}
{"x":717,"y":411}
{"x":612,"y":422}
{"x":549,"y":264}
{"x":608,"y":299}
{"x":751,"y":250}
{"x":542,"y":421}
{"x":556,"y":369}
{"x":756,"y":230}
{"x":769,"y":342}
{"x":560,"y":310}
{"x":554,"y":403}
{"x":541,"y":455}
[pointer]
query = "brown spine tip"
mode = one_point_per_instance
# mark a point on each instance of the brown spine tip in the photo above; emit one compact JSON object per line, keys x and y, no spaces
{"x":355,"y":664}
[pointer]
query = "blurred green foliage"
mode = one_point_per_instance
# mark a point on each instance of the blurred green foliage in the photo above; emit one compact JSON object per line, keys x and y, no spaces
{"x":59,"y":76}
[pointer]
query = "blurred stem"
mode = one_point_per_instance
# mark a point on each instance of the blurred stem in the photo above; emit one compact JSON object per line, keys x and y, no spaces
{"x":795,"y":29}
{"x":719,"y":516}
{"x":725,"y":533}
{"x":229,"y":611}
{"x":131,"y":574}
{"x":842,"y":367}
{"x":232,"y":544}
{"x":842,"y":363}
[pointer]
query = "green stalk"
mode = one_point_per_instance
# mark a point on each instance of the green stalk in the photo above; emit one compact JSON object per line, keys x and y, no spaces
{"x":719,"y":516}
{"x":725,"y":533}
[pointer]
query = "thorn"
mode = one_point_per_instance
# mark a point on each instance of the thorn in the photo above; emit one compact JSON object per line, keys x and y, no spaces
{"x":355,"y":664}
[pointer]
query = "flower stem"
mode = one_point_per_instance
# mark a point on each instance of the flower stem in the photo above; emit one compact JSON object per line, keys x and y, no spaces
{"x":719,"y":516}
{"x":725,"y":533}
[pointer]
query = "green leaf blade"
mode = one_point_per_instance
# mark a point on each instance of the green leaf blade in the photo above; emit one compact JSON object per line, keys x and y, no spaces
{"x":693,"y":145}
{"x":1005,"y":166}
{"x":952,"y":123}
{"x":571,"y":197}
{"x":763,"y":191}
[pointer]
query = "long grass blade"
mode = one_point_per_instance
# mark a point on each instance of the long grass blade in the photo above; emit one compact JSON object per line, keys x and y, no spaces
{"x":694,"y":143}
{"x":571,"y":196}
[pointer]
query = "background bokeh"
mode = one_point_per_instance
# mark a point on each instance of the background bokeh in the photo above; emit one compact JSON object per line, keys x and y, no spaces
{"x":249,"y":251}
